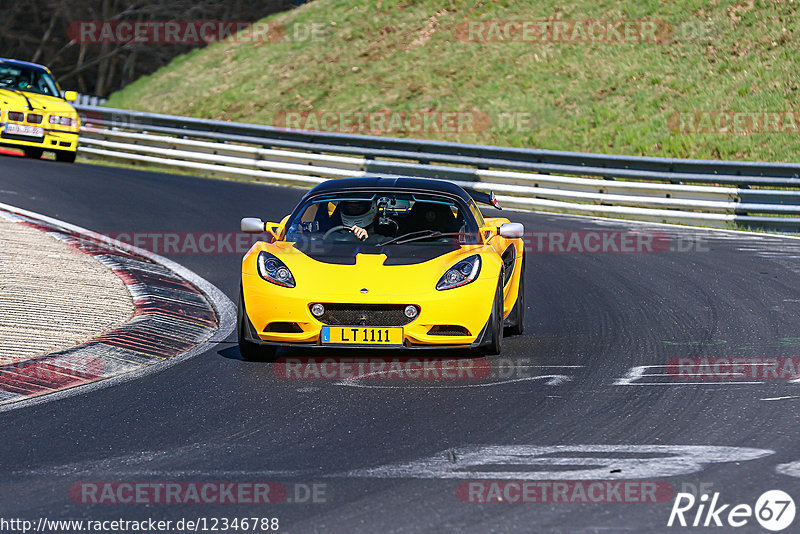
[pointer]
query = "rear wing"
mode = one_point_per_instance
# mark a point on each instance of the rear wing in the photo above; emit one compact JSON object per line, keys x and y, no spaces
{"x":483,"y":198}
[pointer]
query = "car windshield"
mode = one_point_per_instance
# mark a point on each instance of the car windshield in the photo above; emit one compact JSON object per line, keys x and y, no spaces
{"x":27,"y":79}
{"x":388,"y":218}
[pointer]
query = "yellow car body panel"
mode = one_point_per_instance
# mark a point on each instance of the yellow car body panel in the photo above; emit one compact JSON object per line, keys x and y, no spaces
{"x":500,"y":244}
{"x":58,"y":137}
{"x":317,"y":282}
{"x":368,"y":281}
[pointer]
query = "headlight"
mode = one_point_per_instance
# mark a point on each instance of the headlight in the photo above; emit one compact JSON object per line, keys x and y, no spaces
{"x":273,"y":270}
{"x":461,"y":274}
{"x":58,"y":119}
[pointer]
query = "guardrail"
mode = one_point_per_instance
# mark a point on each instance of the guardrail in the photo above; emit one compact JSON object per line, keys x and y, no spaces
{"x":90,"y":100}
{"x":703,"y":192}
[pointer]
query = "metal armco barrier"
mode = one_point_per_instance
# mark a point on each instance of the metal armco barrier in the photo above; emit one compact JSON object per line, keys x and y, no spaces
{"x":89,"y":100}
{"x":698,"y":192}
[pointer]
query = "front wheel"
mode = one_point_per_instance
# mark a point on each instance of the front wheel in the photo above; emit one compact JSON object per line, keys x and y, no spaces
{"x":248,"y":349}
{"x":66,"y":156}
{"x":516,"y":319}
{"x":252,"y":351}
{"x":33,"y":153}
{"x":495,"y":344}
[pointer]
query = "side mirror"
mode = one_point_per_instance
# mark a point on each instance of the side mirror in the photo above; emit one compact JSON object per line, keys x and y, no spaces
{"x":70,"y":96}
{"x":253,"y":225}
{"x":511,"y":231}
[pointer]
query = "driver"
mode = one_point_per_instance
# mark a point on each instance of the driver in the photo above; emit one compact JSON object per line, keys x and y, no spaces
{"x":359,"y":216}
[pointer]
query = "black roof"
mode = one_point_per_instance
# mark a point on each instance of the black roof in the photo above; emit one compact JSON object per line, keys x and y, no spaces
{"x":427,"y":185}
{"x":26,"y":64}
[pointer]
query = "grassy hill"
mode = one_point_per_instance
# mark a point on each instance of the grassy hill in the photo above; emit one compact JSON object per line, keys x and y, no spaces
{"x":567,"y":94}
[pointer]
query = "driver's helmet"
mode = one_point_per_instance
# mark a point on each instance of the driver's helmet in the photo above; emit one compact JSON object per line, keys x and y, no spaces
{"x":358,"y":212}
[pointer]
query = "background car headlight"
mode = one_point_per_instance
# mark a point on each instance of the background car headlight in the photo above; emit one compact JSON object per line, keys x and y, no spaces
{"x":273,"y":270}
{"x":57,"y":119}
{"x":461,"y":274}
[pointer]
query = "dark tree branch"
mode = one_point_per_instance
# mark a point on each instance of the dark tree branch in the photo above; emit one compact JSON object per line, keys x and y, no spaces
{"x":106,"y":67}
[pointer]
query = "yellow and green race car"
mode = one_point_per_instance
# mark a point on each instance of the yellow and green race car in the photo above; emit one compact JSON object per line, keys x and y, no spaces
{"x":383,"y":262}
{"x":33,"y":115}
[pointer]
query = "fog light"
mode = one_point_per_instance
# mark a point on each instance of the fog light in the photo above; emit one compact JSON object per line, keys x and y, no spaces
{"x":411,"y":311}
{"x":317,"y":310}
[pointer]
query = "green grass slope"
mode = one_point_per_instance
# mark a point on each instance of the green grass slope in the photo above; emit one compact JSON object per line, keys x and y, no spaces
{"x":408,"y":56}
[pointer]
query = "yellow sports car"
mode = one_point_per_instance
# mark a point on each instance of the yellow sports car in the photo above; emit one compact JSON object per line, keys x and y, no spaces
{"x":33,"y":115}
{"x":380,"y":262}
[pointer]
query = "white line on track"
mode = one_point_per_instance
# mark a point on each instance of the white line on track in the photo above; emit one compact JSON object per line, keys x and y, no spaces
{"x":635,"y":373}
{"x":553,"y":380}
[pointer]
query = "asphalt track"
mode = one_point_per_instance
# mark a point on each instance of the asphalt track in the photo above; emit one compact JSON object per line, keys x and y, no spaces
{"x":594,"y":319}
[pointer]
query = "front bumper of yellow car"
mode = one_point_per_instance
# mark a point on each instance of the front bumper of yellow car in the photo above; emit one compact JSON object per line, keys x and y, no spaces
{"x":282,"y":316}
{"x":64,"y":139}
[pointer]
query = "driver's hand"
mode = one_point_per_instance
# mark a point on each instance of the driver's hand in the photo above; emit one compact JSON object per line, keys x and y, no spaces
{"x":359,"y":232}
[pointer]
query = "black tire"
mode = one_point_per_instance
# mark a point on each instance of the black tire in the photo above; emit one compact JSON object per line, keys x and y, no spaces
{"x":516,"y":319}
{"x":33,"y":153}
{"x":495,"y":343}
{"x":248,"y":349}
{"x":66,"y":156}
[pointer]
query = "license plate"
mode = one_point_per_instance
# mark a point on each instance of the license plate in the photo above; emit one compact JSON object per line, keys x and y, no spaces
{"x":23,"y":129}
{"x":361,"y":335}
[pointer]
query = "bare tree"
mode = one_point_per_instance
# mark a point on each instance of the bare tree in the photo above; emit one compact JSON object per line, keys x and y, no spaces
{"x":39,"y":31}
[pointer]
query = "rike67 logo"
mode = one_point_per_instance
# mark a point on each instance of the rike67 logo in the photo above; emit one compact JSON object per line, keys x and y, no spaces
{"x":774,"y":510}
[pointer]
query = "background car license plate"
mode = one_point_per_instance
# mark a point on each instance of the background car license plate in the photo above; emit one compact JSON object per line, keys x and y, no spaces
{"x":22,"y":129}
{"x":362,"y":335}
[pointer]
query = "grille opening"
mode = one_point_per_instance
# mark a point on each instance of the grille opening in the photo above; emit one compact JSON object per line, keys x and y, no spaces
{"x":284,"y":328}
{"x":337,"y":314}
{"x":34,"y":118}
{"x":448,"y":330}
{"x":16,"y":116}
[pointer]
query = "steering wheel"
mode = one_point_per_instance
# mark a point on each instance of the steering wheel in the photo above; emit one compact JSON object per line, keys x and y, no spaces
{"x":335,"y":229}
